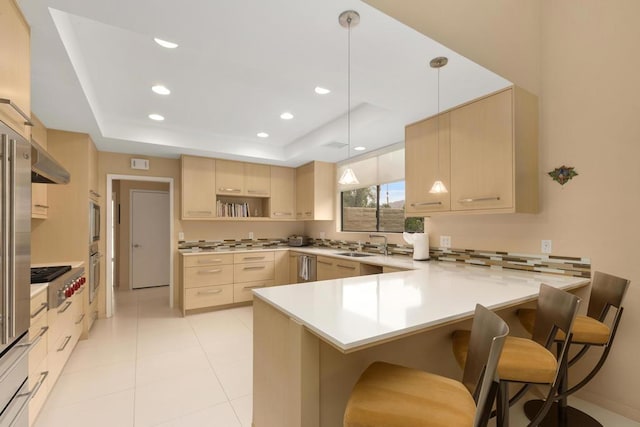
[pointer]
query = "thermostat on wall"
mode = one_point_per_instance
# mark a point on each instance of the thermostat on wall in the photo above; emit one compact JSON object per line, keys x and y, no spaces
{"x":140,"y":164}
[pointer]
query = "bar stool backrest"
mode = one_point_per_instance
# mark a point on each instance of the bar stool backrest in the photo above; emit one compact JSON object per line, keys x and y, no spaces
{"x":556,"y":309}
{"x":488,"y":333}
{"x":606,"y":291}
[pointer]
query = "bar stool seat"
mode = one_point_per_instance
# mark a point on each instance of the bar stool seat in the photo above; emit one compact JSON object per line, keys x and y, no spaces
{"x":522,"y":360}
{"x":392,"y":395}
{"x":388,"y":395}
{"x":586,"y":330}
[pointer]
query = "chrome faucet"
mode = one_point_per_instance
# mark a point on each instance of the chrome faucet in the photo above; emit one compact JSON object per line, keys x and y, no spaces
{"x":386,"y":248}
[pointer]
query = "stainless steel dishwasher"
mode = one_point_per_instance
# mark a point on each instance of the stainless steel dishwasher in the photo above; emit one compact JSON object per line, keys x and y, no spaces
{"x":306,"y":268}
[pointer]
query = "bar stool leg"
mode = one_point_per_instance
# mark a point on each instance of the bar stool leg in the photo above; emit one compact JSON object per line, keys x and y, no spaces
{"x":502,"y":407}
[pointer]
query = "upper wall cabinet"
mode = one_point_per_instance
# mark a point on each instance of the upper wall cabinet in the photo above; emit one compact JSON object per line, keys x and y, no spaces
{"x":198,"y":187}
{"x":492,"y":147}
{"x":242,"y":179}
{"x":15,"y":68}
{"x":315,"y":191}
{"x":283,"y":190}
{"x":39,"y":195}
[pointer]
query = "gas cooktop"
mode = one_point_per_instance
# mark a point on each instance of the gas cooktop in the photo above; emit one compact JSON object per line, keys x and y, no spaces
{"x":48,"y":274}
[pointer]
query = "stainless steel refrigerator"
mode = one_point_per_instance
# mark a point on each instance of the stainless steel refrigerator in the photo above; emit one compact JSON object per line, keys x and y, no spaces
{"x":15,"y":286}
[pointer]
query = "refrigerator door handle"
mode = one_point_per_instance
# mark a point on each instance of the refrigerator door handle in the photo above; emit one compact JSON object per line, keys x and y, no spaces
{"x":12,"y":240}
{"x":4,"y":226}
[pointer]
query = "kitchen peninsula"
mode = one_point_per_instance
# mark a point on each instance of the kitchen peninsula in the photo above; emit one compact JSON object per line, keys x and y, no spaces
{"x":317,"y":338}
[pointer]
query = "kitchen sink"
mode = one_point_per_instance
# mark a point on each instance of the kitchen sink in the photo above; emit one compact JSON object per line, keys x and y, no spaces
{"x":354,"y":254}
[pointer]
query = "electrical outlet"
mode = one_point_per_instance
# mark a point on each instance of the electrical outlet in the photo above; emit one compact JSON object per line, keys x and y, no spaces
{"x":322,"y":234}
{"x":251,"y":235}
{"x":445,"y":241}
{"x":546,"y":247}
{"x":181,"y":236}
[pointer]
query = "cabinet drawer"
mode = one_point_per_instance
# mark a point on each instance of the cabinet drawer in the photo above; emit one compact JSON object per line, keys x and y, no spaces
{"x":209,"y":259}
{"x":347,"y":268}
{"x":253,"y":272}
{"x":38,"y":306}
{"x":38,"y":353}
{"x":195,"y":277}
{"x":243,"y":291}
{"x":208,"y":296}
{"x":39,"y":373}
{"x":253,"y":257}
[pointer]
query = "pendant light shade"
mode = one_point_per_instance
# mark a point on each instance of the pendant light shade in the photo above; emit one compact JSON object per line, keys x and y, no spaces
{"x":348,"y":19}
{"x":438,"y":186}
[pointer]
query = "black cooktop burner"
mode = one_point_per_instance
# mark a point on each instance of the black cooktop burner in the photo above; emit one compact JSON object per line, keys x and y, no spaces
{"x":48,"y":274}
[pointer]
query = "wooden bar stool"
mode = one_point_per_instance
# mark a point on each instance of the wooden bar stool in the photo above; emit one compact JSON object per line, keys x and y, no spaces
{"x":530,"y":361}
{"x":588,"y":331}
{"x":396,"y":396}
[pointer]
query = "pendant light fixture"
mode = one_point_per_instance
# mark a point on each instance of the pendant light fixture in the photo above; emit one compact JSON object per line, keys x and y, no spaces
{"x":348,"y":19}
{"x":438,"y":186}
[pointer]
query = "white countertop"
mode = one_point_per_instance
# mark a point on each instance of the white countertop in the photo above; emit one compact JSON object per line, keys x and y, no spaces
{"x":360,"y":311}
{"x":36,"y":289}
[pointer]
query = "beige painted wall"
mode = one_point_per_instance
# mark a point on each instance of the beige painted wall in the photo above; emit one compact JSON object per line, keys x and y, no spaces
{"x":123,"y":243}
{"x":580,"y":57}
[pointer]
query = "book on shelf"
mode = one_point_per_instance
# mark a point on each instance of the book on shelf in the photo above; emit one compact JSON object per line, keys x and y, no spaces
{"x":232,"y":210}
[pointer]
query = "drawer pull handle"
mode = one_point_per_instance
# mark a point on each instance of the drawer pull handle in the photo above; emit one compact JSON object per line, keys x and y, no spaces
{"x":324,"y":262}
{"x":308,"y":213}
{"x":256,"y":192}
{"x":42,"y":307}
{"x":27,"y":119}
{"x":255,"y":286}
{"x":66,"y":307}
{"x":35,"y":341}
{"x":80,"y":320}
{"x":260,"y":267}
{"x":215,"y":270}
{"x":350,"y":267}
{"x":478,"y":199}
{"x":66,"y":341}
{"x":215,"y":291}
{"x":229,"y":190}
{"x":282,"y":214}
{"x":41,"y":206}
{"x":254,"y":257}
{"x":199,"y":212}
{"x":93,"y":193}
{"x":425,"y":204}
{"x":209,"y":261}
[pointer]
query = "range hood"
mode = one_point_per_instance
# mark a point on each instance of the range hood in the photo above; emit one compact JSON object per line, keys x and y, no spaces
{"x":45,"y":169}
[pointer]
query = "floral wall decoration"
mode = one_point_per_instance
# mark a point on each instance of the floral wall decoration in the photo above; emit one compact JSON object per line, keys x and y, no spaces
{"x":563,"y":174}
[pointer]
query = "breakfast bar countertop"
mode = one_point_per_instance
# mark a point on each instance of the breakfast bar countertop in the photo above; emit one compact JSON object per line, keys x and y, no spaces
{"x":357,"y":312}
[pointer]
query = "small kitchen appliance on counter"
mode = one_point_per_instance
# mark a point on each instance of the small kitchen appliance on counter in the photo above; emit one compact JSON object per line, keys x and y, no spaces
{"x":299,"y":241}
{"x":420,"y":242}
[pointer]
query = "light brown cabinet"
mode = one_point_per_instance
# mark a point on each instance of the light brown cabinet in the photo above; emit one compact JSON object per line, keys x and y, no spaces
{"x":39,"y":195}
{"x":329,"y":268}
{"x":230,"y":177}
{"x":315,"y":191}
{"x":283,"y":190}
{"x":427,"y":158}
{"x":38,"y":368}
{"x":493,"y":143}
{"x":257,"y":180}
{"x":15,"y":72}
{"x":198,"y":187}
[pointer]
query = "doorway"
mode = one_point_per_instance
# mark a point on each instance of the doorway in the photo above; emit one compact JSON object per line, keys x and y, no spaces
{"x":149,"y":231}
{"x":117,"y":227}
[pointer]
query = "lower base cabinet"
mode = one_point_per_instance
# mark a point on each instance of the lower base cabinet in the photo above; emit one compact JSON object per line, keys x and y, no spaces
{"x":329,"y":268}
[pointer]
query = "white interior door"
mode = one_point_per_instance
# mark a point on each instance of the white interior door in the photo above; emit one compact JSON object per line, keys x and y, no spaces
{"x":150,"y":245}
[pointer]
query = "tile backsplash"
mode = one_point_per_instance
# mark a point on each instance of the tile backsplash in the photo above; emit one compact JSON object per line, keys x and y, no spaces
{"x":565,"y":265}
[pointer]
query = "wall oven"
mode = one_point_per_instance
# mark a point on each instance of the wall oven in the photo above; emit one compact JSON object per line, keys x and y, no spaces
{"x":94,"y":271}
{"x":94,"y":222}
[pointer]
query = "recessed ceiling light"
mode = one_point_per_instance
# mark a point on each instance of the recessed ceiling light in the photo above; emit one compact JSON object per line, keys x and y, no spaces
{"x":160,"y":90}
{"x":286,"y":116}
{"x":156,"y":117}
{"x":360,"y":148}
{"x":321,"y":91}
{"x":167,"y":44}
{"x":262,"y":135}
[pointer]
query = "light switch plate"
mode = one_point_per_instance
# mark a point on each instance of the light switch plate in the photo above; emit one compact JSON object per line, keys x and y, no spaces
{"x":181,"y":236}
{"x":445,"y":241}
{"x":251,"y":235}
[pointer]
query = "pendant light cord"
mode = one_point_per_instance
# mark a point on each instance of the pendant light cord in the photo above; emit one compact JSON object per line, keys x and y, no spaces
{"x":349,"y":91}
{"x":438,"y":129}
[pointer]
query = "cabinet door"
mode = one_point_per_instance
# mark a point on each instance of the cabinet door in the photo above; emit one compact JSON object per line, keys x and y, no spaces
{"x":93,"y":170}
{"x":304,"y":192}
{"x":424,"y":163}
{"x":281,"y":263}
{"x":482,"y":154}
{"x":283,"y":189}
{"x":198,"y":188}
{"x":15,"y":71}
{"x":229,"y":177}
{"x":39,"y":195}
{"x":257,"y":180}
{"x":325,"y":268}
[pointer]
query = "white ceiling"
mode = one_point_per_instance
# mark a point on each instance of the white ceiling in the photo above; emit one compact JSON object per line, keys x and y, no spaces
{"x":240,"y":64}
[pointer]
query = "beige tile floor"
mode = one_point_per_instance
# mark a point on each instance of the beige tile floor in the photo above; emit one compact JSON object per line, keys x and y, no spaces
{"x":149,"y":366}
